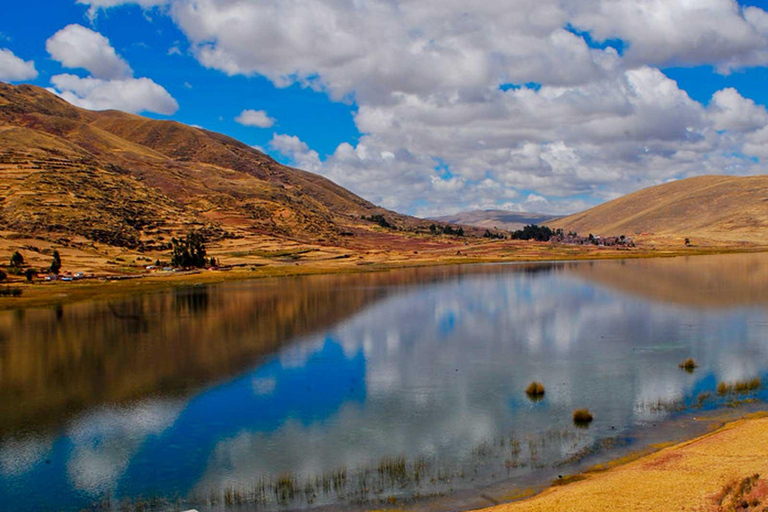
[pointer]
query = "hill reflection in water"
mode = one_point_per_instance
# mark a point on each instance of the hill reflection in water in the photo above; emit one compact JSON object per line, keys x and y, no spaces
{"x":232,"y":387}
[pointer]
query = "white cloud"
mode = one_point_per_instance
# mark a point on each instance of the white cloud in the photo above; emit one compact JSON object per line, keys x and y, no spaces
{"x":97,"y":5}
{"x":679,"y":32}
{"x":112,"y":85}
{"x":729,"y":110}
{"x":14,"y":69}
{"x":75,"y":46}
{"x":257,"y":118}
{"x":297,"y":150}
{"x":130,"y":95}
{"x":426,"y":78}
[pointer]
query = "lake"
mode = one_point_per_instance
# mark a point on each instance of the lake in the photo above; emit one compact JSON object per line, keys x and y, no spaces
{"x":355,"y":391}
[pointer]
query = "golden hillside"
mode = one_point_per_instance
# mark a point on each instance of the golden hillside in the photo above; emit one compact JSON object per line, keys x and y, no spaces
{"x":720,"y":209}
{"x":128,"y":181}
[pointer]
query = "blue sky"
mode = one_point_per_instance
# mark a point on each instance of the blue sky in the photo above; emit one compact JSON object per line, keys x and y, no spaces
{"x":213,"y":100}
{"x":429,"y":107}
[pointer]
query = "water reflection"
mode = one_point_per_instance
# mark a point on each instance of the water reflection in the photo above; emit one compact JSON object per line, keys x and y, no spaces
{"x":426,"y":367}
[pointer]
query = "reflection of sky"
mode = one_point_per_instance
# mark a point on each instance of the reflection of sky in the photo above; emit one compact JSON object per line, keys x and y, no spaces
{"x":433,"y":371}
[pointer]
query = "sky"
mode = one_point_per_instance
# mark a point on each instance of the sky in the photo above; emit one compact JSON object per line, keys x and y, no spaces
{"x":428,"y":107}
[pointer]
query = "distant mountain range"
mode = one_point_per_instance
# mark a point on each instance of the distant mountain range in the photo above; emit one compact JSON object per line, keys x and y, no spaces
{"x":714,"y":208}
{"x":496,"y":219}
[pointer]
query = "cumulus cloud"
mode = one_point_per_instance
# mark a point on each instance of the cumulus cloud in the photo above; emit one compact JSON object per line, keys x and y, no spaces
{"x":446,"y":119}
{"x":14,"y":69}
{"x":78,"y":47}
{"x":729,"y":110}
{"x":297,"y":150}
{"x":112,"y":85}
{"x":680,"y":32}
{"x":257,"y":118}
{"x":130,"y":95}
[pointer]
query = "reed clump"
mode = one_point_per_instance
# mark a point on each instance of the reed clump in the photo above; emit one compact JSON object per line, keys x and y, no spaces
{"x":582,"y":417}
{"x":688,"y":365}
{"x":739,"y":386}
{"x":394,"y":468}
{"x":535,"y":390}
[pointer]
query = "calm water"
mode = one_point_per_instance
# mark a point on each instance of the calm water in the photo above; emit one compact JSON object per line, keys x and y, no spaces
{"x":347,"y":391}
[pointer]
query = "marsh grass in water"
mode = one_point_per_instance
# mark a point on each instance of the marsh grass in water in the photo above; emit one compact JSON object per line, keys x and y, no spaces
{"x":688,"y":365}
{"x":582,"y":418}
{"x":739,"y":387}
{"x":535,"y":391}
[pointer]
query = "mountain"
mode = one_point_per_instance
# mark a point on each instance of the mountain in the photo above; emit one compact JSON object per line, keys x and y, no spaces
{"x":498,"y":219}
{"x":720,"y":209}
{"x":109,"y":178}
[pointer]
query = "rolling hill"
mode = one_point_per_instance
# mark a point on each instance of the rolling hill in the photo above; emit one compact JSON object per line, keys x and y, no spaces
{"x":717,"y":209}
{"x":495,"y":219}
{"x":86,"y":180}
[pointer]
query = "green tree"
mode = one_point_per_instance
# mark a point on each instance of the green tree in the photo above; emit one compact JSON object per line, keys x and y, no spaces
{"x":3,"y":276}
{"x":189,"y":252}
{"x":55,"y":267}
{"x":30,"y":275}
{"x":17,"y":260}
{"x":534,"y":232}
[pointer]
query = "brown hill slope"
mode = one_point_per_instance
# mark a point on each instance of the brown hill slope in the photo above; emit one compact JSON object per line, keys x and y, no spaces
{"x":722,"y":209}
{"x":129,"y":181}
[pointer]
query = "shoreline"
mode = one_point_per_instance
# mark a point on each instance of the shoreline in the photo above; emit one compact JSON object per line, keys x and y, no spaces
{"x":669,"y":475}
{"x":677,"y":477}
{"x":52,"y":294}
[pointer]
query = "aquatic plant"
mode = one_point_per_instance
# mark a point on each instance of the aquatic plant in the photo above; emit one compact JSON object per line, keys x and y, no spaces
{"x":535,"y":390}
{"x":688,"y":365}
{"x":394,"y":468}
{"x":745,"y":386}
{"x":739,"y":386}
{"x":582,"y":417}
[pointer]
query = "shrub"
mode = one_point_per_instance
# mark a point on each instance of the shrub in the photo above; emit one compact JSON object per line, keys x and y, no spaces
{"x":3,"y":276}
{"x":688,"y":365}
{"x":535,"y":390}
{"x":582,"y":417}
{"x":17,"y":260}
{"x":380,"y":220}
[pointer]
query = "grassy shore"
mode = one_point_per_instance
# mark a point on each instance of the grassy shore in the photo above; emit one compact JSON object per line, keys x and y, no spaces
{"x":55,"y":293}
{"x":708,"y":473}
{"x":721,"y":471}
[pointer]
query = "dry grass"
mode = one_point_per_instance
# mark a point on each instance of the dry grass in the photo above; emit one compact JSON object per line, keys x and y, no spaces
{"x":745,"y":494}
{"x":706,"y":208}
